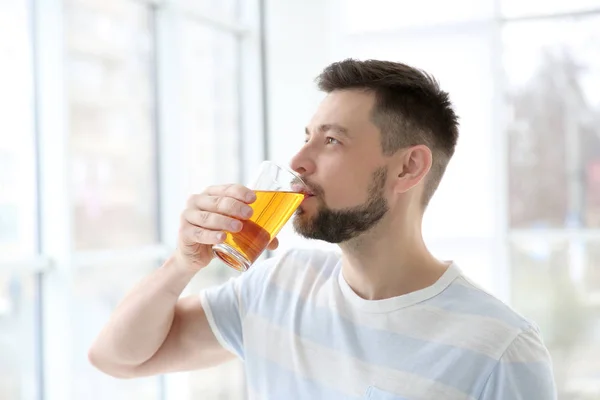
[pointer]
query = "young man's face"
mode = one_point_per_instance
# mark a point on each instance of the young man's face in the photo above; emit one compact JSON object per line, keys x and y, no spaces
{"x":343,"y":164}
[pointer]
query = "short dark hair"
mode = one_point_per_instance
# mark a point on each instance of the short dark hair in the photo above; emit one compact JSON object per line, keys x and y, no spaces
{"x":410,"y":109}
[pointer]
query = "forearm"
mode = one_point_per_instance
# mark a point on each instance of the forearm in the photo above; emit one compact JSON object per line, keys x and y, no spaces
{"x":141,"y":322}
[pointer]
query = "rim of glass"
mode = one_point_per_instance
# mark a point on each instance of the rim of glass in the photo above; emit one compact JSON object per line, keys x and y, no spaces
{"x":288,"y":169}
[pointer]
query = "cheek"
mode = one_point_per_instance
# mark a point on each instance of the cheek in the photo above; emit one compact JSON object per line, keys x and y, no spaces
{"x":345,"y":178}
{"x":345,"y":191}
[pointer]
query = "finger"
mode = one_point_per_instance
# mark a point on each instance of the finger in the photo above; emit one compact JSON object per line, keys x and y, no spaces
{"x":223,"y":205}
{"x":210,"y":220}
{"x":239,"y":192}
{"x":274,"y":244}
{"x":193,"y":234}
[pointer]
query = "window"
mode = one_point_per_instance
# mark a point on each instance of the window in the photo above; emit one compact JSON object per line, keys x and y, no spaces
{"x":111,"y":105}
{"x":17,"y":200}
{"x":110,"y":77}
{"x":210,"y":100}
{"x":18,"y":290}
{"x":110,"y":70}
{"x":552,"y":68}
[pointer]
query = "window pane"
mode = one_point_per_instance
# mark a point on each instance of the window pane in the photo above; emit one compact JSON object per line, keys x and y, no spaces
{"x":553,"y":70}
{"x":96,"y":292}
{"x":17,"y":199}
{"x":210,"y":101}
{"x":376,"y":15}
{"x":212,"y":135}
{"x":520,"y":8}
{"x":17,"y":343}
{"x":112,"y":132}
{"x":549,"y":284}
{"x":17,"y":204}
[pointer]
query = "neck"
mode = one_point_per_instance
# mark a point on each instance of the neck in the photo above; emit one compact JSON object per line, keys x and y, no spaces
{"x":390,"y":260}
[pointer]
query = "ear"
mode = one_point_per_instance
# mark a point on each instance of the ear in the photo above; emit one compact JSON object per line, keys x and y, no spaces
{"x":413,"y":165}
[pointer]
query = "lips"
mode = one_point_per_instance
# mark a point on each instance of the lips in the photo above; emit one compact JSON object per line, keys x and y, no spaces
{"x":300,"y":188}
{"x":307,"y":197}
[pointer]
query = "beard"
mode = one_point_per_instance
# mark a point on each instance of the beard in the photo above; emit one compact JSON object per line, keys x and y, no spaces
{"x":337,"y":226}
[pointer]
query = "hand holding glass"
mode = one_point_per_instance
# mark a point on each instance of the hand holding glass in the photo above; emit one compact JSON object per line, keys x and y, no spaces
{"x":279,"y":192}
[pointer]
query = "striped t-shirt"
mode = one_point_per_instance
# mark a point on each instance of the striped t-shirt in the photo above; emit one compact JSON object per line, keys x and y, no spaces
{"x":303,"y":333}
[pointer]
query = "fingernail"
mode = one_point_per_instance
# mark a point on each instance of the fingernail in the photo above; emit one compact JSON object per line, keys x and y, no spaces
{"x":247,"y":212}
{"x":250,"y":197}
{"x":221,"y":236}
{"x":236,"y":225}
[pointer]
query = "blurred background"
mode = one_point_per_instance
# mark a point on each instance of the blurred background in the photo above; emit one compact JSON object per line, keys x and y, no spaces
{"x":112,"y":112}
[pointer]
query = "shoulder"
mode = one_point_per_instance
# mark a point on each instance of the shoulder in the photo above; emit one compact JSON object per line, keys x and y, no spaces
{"x":527,"y":347}
{"x":483,"y":322}
{"x":465,"y":296}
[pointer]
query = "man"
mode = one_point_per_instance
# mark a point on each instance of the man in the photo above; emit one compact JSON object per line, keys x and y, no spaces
{"x":386,"y":319}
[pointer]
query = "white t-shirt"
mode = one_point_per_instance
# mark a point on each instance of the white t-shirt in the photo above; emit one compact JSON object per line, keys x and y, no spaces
{"x":303,"y":333}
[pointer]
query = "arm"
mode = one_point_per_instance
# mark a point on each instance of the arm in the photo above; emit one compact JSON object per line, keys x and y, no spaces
{"x":152,"y":331}
{"x":523,"y":373}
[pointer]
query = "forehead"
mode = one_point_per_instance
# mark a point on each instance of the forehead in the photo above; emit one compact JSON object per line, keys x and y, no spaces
{"x":349,"y":108}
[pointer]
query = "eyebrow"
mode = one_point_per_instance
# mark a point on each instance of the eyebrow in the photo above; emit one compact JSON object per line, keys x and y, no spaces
{"x":329,"y":127}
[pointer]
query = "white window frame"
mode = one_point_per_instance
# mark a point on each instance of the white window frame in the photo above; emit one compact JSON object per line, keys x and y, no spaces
{"x":57,"y":260}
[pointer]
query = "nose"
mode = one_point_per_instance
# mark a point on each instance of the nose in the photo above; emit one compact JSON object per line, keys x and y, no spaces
{"x":303,"y":163}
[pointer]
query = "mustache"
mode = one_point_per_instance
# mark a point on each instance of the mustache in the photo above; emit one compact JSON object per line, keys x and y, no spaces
{"x":313,"y":188}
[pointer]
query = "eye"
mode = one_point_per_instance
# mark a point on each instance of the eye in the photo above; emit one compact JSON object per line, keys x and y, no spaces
{"x":330,"y":140}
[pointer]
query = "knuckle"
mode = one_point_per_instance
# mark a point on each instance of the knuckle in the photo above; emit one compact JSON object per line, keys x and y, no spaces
{"x":232,"y":205}
{"x":199,"y":234}
{"x":241,"y":209}
{"x":203,"y":217}
{"x":221,"y":204}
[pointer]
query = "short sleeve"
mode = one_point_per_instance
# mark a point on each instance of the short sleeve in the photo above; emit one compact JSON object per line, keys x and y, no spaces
{"x":523,"y":373}
{"x":224,"y":306}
